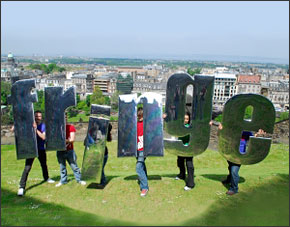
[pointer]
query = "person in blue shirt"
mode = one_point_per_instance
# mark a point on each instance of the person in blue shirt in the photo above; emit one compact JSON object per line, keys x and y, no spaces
{"x":233,"y":176}
{"x":40,"y":134}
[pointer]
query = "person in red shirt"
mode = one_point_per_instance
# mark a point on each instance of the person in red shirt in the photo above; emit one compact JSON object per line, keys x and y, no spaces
{"x":70,"y":156}
{"x":140,"y":165}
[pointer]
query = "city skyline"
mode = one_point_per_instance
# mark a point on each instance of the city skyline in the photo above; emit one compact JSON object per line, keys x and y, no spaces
{"x":239,"y":31}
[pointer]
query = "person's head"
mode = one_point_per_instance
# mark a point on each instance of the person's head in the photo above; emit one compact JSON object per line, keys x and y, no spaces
{"x":38,"y":116}
{"x":187,"y":118}
{"x":140,"y":114}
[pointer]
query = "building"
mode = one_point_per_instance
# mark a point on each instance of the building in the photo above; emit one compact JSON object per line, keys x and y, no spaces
{"x":80,"y":81}
{"x":146,"y":83}
{"x":9,"y":70}
{"x":132,"y":70}
{"x":125,"y":84}
{"x":224,"y":87}
{"x":278,"y":93}
{"x":249,"y":84}
{"x":107,"y":83}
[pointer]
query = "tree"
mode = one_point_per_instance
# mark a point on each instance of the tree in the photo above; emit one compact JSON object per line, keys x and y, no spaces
{"x":51,"y":67}
{"x":78,"y":98}
{"x":7,"y":117}
{"x":72,"y":111}
{"x":44,"y":68}
{"x":97,"y":97}
{"x":107,"y":100}
{"x":5,"y":91}
{"x":47,"y":68}
{"x":61,"y":69}
{"x":40,"y":104}
{"x":193,"y":72}
{"x":115,"y":100}
{"x":88,"y":100}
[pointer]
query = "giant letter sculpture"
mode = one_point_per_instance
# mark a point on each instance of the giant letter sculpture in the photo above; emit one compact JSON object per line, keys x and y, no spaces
{"x":23,"y":113}
{"x":127,"y":125}
{"x":95,"y":143}
{"x":153,"y":125}
{"x":55,"y":104}
{"x":201,"y":113}
{"x":234,"y":124}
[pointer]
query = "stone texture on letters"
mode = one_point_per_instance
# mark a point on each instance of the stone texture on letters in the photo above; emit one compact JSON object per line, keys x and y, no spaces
{"x":199,"y":129}
{"x":127,"y":125}
{"x":55,"y":104}
{"x":95,"y":143}
{"x":25,"y":136}
{"x":233,"y":122}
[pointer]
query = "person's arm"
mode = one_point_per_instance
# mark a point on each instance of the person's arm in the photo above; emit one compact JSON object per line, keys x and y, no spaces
{"x":260,"y":133}
{"x":39,"y":133}
{"x":71,"y":137}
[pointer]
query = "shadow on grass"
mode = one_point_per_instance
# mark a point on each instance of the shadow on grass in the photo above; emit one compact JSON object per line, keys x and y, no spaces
{"x":99,"y":186}
{"x":150,"y":177}
{"x":25,"y":211}
{"x":35,"y":185}
{"x":267,"y":205}
{"x":172,"y":175}
{"x":70,"y":177}
{"x":220,"y":178}
{"x":169,"y":175}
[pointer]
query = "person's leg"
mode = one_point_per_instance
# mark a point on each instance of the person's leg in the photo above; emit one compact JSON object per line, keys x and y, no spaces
{"x":235,"y":178}
{"x":228,"y":179}
{"x":145,"y":169}
{"x":27,"y":168}
{"x":190,"y":172}
{"x":140,"y":169}
{"x":72,"y":160}
{"x":103,"y":179}
{"x":42,"y":160}
{"x":180,"y":164}
{"x":61,"y":158}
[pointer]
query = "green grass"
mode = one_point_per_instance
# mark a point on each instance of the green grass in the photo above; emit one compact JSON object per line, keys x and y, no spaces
{"x":283,"y":116}
{"x":77,"y":118}
{"x":263,"y":198}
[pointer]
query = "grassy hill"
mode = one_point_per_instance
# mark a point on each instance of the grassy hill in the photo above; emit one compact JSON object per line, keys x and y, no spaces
{"x":263,"y":198}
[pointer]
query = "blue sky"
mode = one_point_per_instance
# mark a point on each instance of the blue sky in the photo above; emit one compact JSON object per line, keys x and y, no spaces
{"x":146,"y":29}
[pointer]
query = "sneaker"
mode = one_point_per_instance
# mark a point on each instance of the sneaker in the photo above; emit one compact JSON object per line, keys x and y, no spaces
{"x":229,"y":192}
{"x":82,"y":182}
{"x":186,"y":188}
{"x":20,"y":192}
{"x":144,"y":192}
{"x":59,"y":184}
{"x":50,"y":181}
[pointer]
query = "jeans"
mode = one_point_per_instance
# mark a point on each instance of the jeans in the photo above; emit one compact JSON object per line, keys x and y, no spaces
{"x":142,"y":171}
{"x":71,"y":157}
{"x":103,"y":179}
{"x":190,"y":170}
{"x":28,"y":165}
{"x":234,"y":176}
